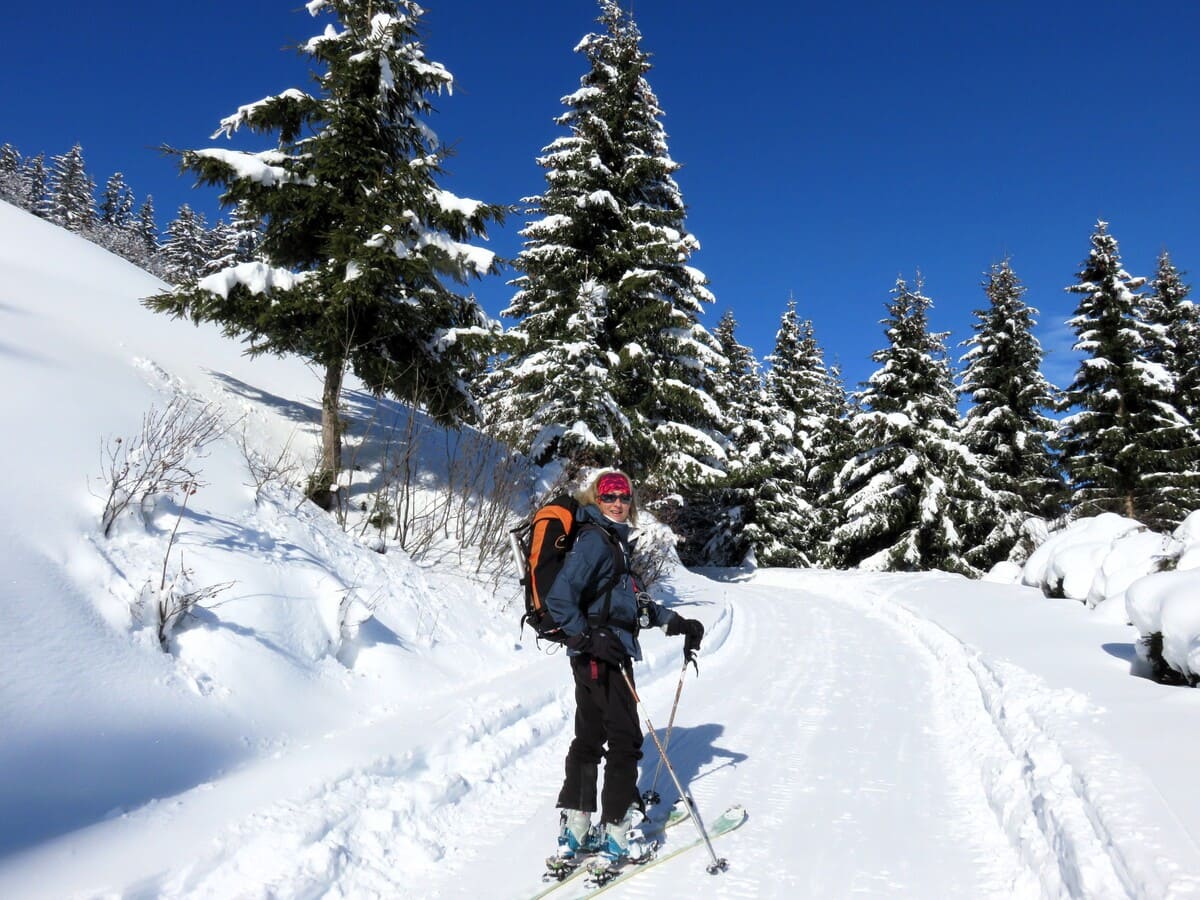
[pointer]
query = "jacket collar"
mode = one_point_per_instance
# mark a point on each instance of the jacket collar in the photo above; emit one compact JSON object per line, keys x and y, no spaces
{"x":591,"y":513}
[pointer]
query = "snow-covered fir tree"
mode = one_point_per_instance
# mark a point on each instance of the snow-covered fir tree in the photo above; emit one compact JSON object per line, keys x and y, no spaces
{"x":145,"y":229}
{"x":910,"y":483}
{"x":720,"y":512}
{"x":34,"y":178}
{"x":116,"y":207}
{"x":1126,"y":446}
{"x":784,"y":527}
{"x":71,"y":200}
{"x":1007,"y":426}
{"x":610,"y":230}
{"x":237,"y":240}
{"x":559,"y":403}
{"x":1176,"y":322}
{"x":12,"y":186}
{"x":359,"y":241}
{"x":186,"y":251}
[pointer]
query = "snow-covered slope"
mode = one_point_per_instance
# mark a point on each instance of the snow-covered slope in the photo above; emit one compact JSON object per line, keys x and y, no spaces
{"x":908,"y":736}
{"x":96,"y":719}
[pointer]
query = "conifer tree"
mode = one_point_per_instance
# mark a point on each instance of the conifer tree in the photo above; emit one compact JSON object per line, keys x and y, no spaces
{"x":721,"y":511}
{"x":185,"y":252}
{"x":739,"y":391}
{"x":146,"y":228}
{"x":359,"y":239}
{"x":1007,"y":426}
{"x":241,"y":238}
{"x":116,"y":209}
{"x":33,"y":174}
{"x":783,"y":531}
{"x":610,"y":227}
{"x":12,"y":187}
{"x":908,"y":487}
{"x":1126,"y":447}
{"x":71,"y":202}
{"x":1176,"y":323}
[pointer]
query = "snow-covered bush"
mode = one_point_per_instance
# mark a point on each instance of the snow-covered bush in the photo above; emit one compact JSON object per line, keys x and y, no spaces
{"x":1067,"y":563}
{"x":1165,"y":608}
{"x":1121,"y":568}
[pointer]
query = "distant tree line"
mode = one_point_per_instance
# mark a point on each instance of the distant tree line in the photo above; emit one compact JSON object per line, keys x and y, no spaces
{"x":64,"y":192}
{"x":607,"y":362}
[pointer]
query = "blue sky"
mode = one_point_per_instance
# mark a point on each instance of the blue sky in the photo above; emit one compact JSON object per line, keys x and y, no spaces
{"x":827,"y":148}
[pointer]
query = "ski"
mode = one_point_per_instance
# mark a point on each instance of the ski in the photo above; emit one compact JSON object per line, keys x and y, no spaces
{"x":650,"y":833}
{"x":729,"y":820}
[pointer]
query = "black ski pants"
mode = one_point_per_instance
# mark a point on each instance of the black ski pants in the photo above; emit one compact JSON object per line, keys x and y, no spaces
{"x":604,"y":712}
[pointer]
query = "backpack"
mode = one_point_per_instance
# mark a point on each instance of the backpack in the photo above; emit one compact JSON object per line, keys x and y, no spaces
{"x":541,"y":545}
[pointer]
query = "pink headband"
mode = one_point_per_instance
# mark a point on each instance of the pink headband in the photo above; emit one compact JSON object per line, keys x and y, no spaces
{"x":613,"y":483}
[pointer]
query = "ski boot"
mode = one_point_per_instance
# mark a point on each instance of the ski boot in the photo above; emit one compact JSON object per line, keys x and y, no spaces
{"x":624,"y":843}
{"x":576,"y":838}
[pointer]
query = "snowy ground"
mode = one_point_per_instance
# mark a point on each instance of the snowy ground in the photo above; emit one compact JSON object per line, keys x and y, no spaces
{"x":916,"y":736}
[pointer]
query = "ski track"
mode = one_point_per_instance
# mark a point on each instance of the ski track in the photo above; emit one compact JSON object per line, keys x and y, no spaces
{"x":1054,"y":792}
{"x":378,"y":829}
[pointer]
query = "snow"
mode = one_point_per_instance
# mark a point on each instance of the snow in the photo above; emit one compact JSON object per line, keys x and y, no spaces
{"x":256,"y":167}
{"x":257,"y":277}
{"x":346,"y":723}
{"x":454,"y":204}
{"x":244,"y":113}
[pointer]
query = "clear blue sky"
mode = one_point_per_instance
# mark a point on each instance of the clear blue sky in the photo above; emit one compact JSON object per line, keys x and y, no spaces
{"x":827,"y":148}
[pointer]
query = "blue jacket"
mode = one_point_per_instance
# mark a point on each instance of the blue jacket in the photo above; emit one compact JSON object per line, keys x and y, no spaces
{"x":588,"y":567}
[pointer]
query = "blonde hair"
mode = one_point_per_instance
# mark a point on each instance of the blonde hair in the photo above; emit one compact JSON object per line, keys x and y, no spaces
{"x":588,"y":494}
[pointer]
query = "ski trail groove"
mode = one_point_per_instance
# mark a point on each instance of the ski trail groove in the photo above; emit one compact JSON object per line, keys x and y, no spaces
{"x":1041,"y":801}
{"x":370,"y":830}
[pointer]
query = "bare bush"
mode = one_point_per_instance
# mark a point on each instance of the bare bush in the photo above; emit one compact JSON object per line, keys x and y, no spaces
{"x":175,"y":598}
{"x":653,"y":553}
{"x":157,"y":459}
{"x":488,"y":481}
{"x":280,"y":468}
{"x":473,"y":510}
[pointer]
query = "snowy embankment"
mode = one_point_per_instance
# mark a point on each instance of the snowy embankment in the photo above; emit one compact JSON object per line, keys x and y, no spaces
{"x":97,"y":721}
{"x":343,"y":723}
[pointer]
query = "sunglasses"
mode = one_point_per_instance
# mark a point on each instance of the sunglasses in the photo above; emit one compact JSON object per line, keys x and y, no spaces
{"x":613,"y":498}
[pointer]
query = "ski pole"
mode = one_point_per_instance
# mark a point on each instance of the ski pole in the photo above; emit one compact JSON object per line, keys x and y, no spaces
{"x":651,"y":796}
{"x":718,"y":865}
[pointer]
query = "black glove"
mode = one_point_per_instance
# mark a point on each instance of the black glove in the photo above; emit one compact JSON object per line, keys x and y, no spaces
{"x":601,"y":644}
{"x":693,"y":634}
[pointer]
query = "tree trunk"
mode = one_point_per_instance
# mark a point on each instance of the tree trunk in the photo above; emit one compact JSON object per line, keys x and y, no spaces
{"x":320,"y":489}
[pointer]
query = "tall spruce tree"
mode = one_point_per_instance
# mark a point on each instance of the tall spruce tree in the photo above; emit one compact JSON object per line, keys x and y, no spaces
{"x":908,"y":488}
{"x":1176,"y":320}
{"x":71,"y":201}
{"x":1007,"y":426}
{"x":721,"y":511}
{"x":1126,"y":447}
{"x":186,"y":252}
{"x":12,"y":186}
{"x":787,"y":527}
{"x":610,"y":236}
{"x":359,"y":239}
{"x":116,"y":208}
{"x":34,"y":176}
{"x":146,"y":229}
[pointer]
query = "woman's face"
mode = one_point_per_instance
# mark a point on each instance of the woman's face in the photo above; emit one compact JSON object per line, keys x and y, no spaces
{"x":615,"y":505}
